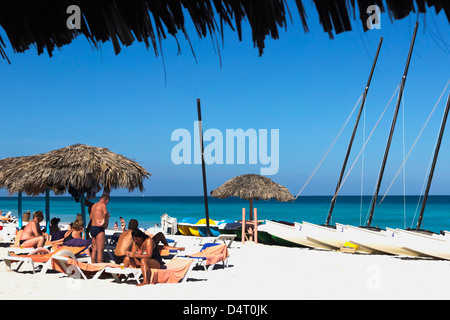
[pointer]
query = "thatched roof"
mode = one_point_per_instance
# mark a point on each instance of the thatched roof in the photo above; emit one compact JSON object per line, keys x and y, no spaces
{"x":252,"y":186}
{"x":79,"y":167}
{"x":43,"y":23}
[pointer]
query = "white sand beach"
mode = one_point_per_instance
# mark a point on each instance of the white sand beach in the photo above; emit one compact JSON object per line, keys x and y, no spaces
{"x":256,"y":271}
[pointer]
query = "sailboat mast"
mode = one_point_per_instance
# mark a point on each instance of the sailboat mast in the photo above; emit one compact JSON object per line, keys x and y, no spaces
{"x":205,"y":191}
{"x":436,"y":152}
{"x":366,"y":90}
{"x":394,"y":120}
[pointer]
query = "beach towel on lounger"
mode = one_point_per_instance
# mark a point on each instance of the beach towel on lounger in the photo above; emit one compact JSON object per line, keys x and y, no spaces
{"x":42,"y":255}
{"x":213,"y":254}
{"x":89,"y":269}
{"x":78,"y":242}
{"x":171,"y":272}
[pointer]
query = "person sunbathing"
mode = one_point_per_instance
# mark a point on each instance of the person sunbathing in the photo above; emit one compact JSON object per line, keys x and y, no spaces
{"x":75,"y":232}
{"x":125,"y":241}
{"x":6,"y":217}
{"x":144,"y":254}
{"x":32,"y":236}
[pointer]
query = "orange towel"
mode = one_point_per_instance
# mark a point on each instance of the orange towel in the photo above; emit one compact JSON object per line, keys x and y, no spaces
{"x":46,"y":256}
{"x":86,"y":267}
{"x":213,"y":254}
{"x":172,"y":272}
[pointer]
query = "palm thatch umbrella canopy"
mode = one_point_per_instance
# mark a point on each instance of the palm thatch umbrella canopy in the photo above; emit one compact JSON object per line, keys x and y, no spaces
{"x":44,"y":24}
{"x":77,"y":167}
{"x":252,"y":186}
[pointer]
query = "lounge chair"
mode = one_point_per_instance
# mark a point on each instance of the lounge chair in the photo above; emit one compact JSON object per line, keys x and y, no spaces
{"x":210,"y":255}
{"x":134,"y":273}
{"x":8,"y":218}
{"x":77,"y":269}
{"x":110,"y":245}
{"x":176,"y":270}
{"x":226,"y":238}
{"x":8,"y":232}
{"x":40,"y":257}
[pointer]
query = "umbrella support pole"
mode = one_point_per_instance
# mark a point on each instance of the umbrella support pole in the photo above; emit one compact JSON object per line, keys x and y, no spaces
{"x":83,"y":214}
{"x":19,"y":209}
{"x":250,"y":234}
{"x":47,"y":211}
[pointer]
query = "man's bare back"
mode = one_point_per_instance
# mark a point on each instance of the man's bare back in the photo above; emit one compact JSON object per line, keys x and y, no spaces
{"x":124,"y":243}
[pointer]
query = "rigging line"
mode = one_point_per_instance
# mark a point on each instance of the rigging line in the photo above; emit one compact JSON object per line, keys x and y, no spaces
{"x":371,"y":200}
{"x":424,"y":181}
{"x":362,"y":164}
{"x":423,"y":186}
{"x":415,"y":142}
{"x":329,"y":149}
{"x":371,"y":133}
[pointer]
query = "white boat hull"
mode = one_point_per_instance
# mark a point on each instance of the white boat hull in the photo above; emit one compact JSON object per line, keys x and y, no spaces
{"x":324,"y":236}
{"x":435,"y":245}
{"x":382,"y":241}
{"x":289,"y":233}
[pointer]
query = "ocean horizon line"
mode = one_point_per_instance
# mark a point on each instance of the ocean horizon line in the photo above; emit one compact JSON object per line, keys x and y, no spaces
{"x":210,"y":197}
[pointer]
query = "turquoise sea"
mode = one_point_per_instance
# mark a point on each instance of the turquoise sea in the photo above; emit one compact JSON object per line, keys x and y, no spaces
{"x":395,"y":211}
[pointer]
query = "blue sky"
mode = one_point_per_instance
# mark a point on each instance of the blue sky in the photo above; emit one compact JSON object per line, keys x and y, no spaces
{"x":305,"y":85}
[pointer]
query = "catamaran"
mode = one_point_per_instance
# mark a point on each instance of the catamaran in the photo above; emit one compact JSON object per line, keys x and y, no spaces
{"x":422,"y":242}
{"x":290,"y":234}
{"x":321,"y":236}
{"x":373,"y":238}
{"x":329,"y":235}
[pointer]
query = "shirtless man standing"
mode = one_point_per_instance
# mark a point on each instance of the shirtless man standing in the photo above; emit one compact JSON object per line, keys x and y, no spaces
{"x":32,"y":235}
{"x":99,"y":217}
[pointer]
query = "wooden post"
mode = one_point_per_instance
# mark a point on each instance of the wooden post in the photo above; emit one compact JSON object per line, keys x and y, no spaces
{"x":255,"y":230}
{"x":251,"y":209}
{"x":243,"y":226}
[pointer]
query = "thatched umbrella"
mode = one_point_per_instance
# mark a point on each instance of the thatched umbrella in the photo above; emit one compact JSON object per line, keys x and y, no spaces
{"x":78,"y":166}
{"x":44,"y":24}
{"x":79,"y":169}
{"x":252,"y":186}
